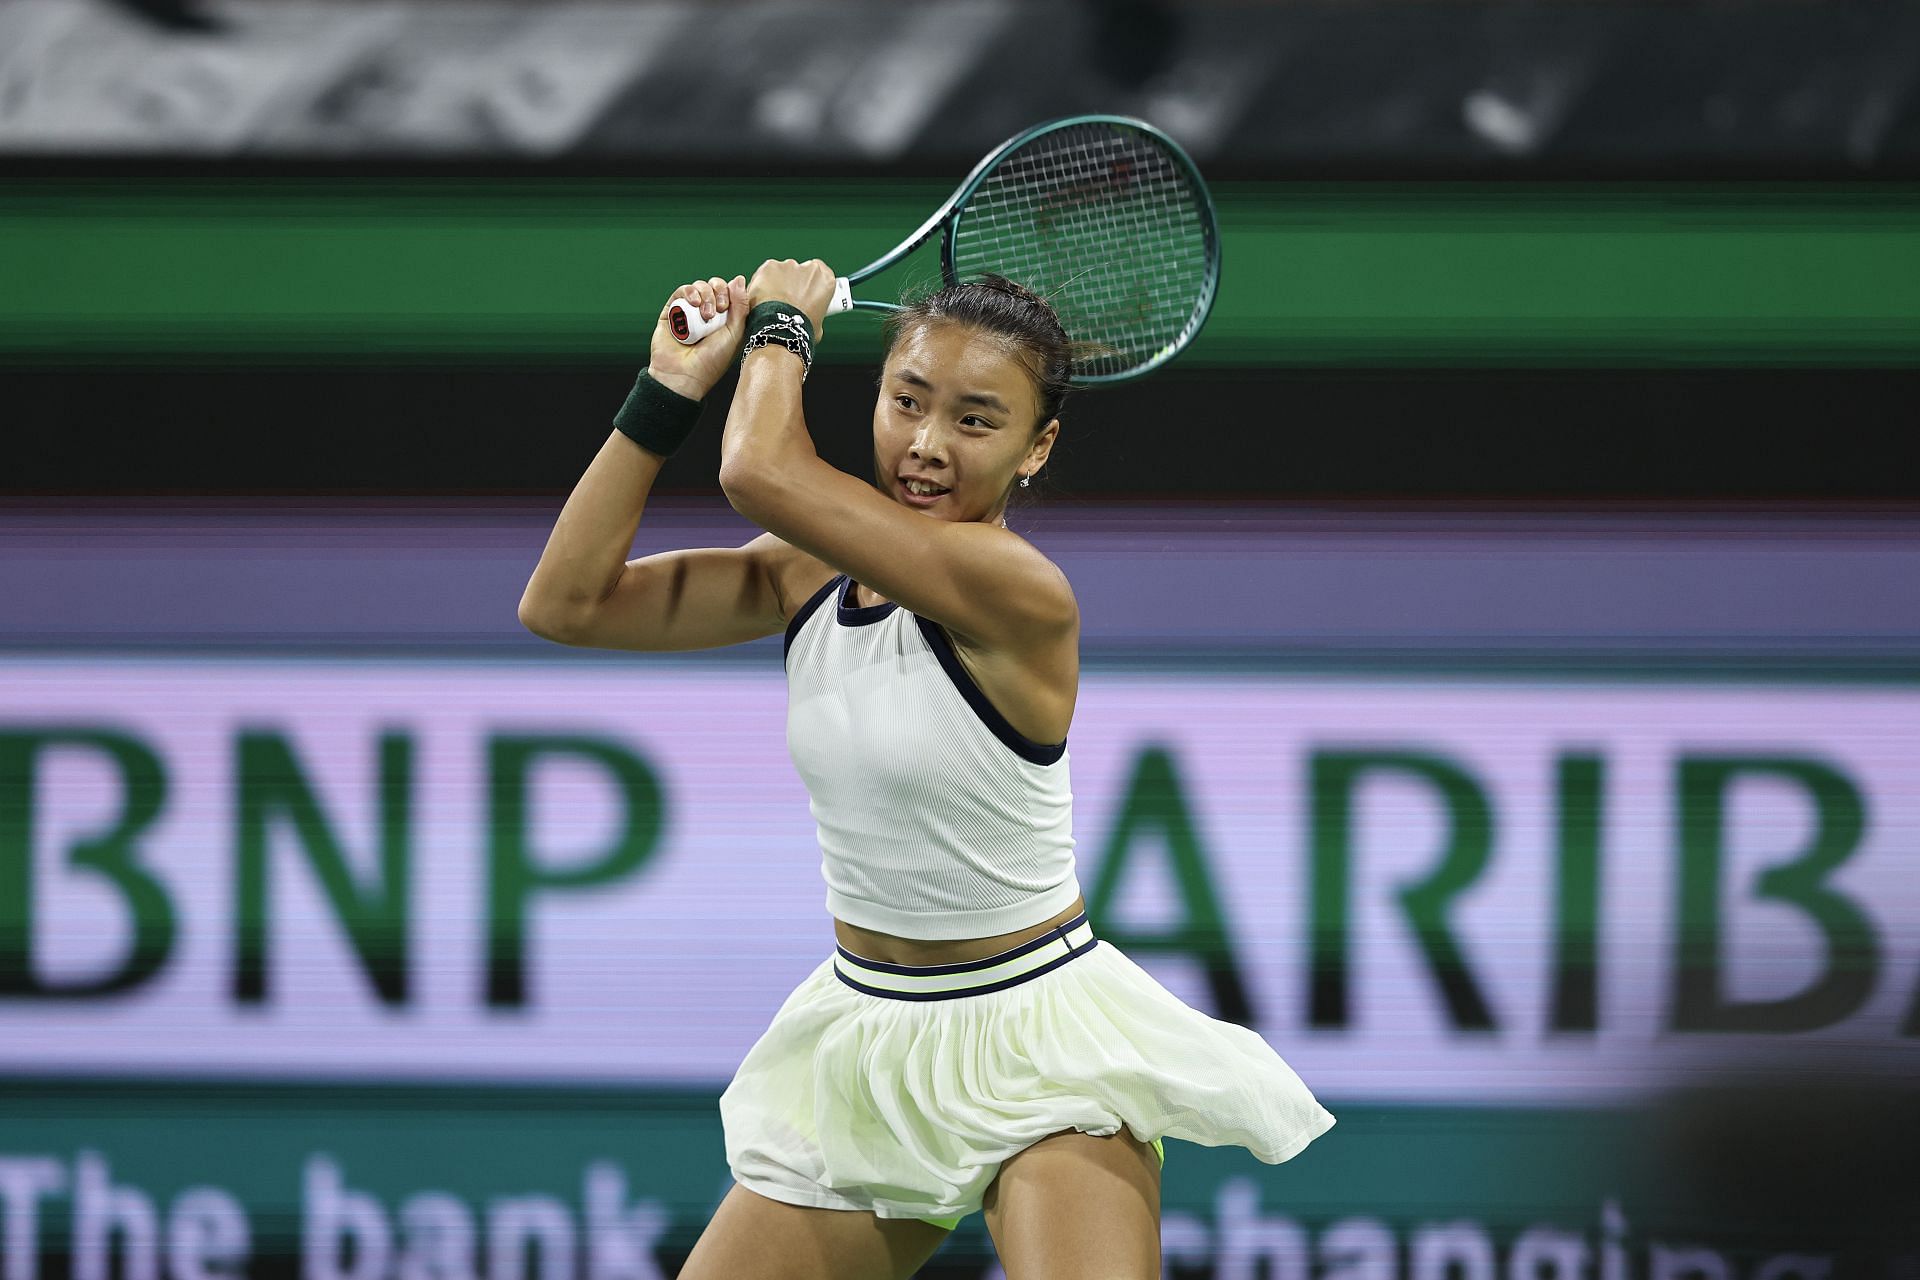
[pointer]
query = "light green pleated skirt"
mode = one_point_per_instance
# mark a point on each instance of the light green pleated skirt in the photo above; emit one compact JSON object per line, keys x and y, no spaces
{"x":900,"y":1090}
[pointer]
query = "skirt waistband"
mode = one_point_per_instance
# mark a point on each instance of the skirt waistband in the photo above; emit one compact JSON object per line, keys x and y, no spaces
{"x":1009,"y":968}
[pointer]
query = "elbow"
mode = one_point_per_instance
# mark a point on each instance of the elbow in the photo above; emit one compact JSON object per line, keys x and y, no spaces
{"x":544,"y":622}
{"x":744,"y":483}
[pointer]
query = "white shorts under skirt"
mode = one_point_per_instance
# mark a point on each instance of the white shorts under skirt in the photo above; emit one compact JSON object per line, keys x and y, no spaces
{"x":900,"y":1089}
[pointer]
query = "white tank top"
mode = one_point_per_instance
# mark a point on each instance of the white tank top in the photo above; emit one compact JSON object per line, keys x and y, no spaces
{"x":937,"y":818}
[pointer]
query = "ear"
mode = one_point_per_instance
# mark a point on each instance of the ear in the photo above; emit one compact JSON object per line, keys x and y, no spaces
{"x":1042,"y":446}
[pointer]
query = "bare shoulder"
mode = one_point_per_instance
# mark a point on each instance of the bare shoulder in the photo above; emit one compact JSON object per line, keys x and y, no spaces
{"x":1033,"y":588}
{"x":1052,"y":575}
{"x":795,"y":574}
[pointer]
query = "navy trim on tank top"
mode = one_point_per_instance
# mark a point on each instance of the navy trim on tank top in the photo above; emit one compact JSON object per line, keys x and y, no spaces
{"x":804,"y":612}
{"x":1024,"y":747}
{"x":860,"y":615}
{"x":865,"y":615}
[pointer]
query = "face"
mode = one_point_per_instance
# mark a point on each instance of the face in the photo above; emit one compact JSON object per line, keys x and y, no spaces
{"x":956,"y":410}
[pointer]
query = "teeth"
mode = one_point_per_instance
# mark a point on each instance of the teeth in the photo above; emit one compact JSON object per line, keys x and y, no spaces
{"x":924,"y":490}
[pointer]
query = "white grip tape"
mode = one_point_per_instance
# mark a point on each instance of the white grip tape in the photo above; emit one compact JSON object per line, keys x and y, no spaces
{"x":689,"y":328}
{"x":686,"y":325}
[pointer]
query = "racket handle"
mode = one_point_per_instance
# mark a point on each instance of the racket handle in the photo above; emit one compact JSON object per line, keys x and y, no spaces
{"x":684,"y":322}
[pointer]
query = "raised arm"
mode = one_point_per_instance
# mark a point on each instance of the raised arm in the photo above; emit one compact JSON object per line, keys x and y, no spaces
{"x":974,"y":577}
{"x":585,"y":592}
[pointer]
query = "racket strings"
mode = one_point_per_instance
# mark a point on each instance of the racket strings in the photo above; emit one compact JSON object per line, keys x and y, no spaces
{"x":1107,"y":224}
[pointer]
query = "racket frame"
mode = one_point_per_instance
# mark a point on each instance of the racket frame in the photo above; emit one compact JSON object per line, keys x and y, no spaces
{"x":947,"y":218}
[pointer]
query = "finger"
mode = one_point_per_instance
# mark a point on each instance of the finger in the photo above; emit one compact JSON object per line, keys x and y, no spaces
{"x":677,"y":295}
{"x":736,"y":300}
{"x":722,"y":299}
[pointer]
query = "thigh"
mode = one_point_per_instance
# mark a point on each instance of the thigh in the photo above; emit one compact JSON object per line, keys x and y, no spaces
{"x":754,"y":1238}
{"x":1073,"y":1205}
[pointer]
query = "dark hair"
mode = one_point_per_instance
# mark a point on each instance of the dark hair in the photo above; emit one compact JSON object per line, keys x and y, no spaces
{"x":1023,"y":319}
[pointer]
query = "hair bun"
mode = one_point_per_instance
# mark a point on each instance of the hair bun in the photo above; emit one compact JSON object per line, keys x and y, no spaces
{"x":1012,"y":288}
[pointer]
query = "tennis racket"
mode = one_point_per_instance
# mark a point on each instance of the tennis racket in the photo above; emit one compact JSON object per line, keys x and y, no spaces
{"x":1104,"y":216}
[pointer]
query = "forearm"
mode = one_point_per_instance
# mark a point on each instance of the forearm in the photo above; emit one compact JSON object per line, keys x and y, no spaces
{"x":590,"y":541}
{"x":766,"y":438}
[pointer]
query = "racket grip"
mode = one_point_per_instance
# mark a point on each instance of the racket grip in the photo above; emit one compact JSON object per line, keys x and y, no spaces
{"x":684,"y":322}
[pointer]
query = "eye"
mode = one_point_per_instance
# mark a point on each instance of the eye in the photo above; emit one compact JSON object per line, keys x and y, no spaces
{"x":976,"y":420}
{"x":904,"y":401}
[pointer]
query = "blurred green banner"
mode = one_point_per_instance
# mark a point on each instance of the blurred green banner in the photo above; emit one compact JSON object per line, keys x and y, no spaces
{"x":384,"y":1182}
{"x":1315,"y":274}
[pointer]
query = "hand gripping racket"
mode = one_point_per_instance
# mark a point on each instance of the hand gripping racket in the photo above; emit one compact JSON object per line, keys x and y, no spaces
{"x":1104,"y":216}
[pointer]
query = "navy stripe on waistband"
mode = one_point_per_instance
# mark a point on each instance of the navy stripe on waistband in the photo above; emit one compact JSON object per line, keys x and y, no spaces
{"x":1028,"y":976}
{"x":967,"y":966}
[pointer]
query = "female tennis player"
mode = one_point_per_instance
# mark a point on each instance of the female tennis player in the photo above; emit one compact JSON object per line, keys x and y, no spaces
{"x":969,"y":1044}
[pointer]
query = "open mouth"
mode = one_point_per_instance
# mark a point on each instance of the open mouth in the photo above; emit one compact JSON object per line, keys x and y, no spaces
{"x":922,"y":494}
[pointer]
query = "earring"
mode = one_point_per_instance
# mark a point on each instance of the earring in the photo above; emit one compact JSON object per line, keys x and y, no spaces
{"x":1024,"y":480}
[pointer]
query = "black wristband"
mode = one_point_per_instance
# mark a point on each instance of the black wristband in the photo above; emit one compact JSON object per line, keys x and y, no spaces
{"x":655,"y":417}
{"x":780,"y":324}
{"x":774,"y":312}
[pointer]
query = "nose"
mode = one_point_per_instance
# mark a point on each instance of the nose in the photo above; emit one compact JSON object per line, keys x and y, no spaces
{"x":928,"y":446}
